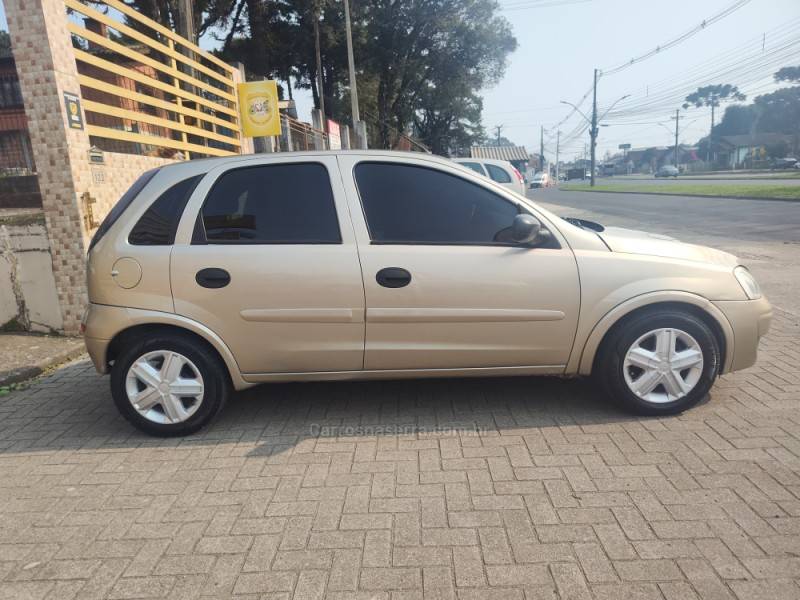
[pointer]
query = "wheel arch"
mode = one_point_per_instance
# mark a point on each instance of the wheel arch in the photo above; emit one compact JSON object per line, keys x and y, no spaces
{"x":141,"y":322}
{"x":696,"y":305}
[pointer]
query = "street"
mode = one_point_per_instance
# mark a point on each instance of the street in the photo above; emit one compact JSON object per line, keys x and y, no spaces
{"x":469,"y":489}
{"x":765,"y":234}
{"x":728,"y":179}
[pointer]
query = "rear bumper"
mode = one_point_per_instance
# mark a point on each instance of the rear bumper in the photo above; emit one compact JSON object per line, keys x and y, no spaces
{"x":99,"y":325}
{"x":97,"y":350}
{"x":750,"y":321}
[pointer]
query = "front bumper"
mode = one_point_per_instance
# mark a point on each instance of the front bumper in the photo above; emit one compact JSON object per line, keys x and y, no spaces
{"x":750,"y":321}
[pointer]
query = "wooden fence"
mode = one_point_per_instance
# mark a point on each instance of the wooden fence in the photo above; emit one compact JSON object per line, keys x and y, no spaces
{"x":147,"y":90}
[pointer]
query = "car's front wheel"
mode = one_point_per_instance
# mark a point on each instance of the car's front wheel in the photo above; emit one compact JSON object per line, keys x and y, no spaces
{"x":659,"y":362}
{"x":168,"y":384}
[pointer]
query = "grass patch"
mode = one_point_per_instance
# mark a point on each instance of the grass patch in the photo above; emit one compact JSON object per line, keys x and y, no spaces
{"x":765,"y":191}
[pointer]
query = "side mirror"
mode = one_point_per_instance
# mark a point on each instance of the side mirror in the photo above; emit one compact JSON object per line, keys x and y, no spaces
{"x":525,"y":229}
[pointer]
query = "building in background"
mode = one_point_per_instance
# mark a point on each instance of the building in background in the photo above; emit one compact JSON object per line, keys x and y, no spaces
{"x":16,"y":157}
{"x":516,"y":155}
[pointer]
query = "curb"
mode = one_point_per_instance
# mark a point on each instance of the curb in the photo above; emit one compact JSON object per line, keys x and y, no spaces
{"x":24,"y":373}
{"x":685,"y":195}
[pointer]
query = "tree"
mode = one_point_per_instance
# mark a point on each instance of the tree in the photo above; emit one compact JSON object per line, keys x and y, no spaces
{"x":207,"y":13}
{"x":454,"y":47}
{"x":712,"y":96}
{"x":790,"y":74}
{"x":421,"y":63}
{"x":738,"y":119}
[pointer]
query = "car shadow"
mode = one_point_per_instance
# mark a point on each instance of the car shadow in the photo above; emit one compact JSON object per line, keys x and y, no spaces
{"x":72,"y":409}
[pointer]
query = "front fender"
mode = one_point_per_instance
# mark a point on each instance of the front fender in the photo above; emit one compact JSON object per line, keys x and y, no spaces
{"x":584,"y":351}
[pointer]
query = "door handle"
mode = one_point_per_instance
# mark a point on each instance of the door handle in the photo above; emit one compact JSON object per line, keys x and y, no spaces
{"x":393,"y":277}
{"x":212,"y":278}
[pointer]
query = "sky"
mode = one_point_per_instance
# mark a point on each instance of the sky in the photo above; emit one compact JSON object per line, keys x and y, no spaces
{"x":559,"y":46}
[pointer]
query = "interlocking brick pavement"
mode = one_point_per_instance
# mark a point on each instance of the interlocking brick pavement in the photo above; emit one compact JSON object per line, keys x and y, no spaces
{"x":469,"y":489}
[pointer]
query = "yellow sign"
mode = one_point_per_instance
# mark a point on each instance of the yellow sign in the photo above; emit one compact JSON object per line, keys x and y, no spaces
{"x":258,"y":107}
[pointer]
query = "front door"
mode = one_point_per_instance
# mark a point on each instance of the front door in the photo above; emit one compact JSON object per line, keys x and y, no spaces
{"x":271,"y":266}
{"x":444,"y":288}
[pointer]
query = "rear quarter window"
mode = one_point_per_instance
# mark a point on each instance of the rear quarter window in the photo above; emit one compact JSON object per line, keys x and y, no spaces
{"x":121,"y":205}
{"x":158,"y":225}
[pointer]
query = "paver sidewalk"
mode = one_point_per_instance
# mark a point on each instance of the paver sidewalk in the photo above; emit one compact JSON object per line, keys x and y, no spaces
{"x":483,"y":488}
{"x":24,"y":355}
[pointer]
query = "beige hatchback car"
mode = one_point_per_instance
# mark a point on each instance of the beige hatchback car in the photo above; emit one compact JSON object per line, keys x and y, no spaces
{"x":225,"y":273}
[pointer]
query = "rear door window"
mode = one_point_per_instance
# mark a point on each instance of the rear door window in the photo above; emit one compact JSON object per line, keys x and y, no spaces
{"x":475,"y":167}
{"x":271,"y":204}
{"x":498,"y":174}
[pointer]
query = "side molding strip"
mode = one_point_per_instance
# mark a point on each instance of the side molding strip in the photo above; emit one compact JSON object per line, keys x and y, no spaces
{"x":460,"y":315}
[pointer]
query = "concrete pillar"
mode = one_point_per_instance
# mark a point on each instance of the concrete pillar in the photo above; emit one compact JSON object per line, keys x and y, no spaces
{"x":264,"y":145}
{"x":318,"y":123}
{"x":286,"y":134}
{"x":344,"y":132}
{"x":46,"y":66}
{"x":360,"y":131}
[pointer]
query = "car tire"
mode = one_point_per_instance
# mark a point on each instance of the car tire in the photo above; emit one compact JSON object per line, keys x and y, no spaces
{"x":167,"y":364}
{"x":687,"y":361}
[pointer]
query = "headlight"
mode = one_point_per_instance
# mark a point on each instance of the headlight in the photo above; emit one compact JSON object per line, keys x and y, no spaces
{"x":748,"y":283}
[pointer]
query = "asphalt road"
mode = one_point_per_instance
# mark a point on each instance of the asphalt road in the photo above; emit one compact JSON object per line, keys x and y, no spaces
{"x":764,"y":234}
{"x":693,"y":180}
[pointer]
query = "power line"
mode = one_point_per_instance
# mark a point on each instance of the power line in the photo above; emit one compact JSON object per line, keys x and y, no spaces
{"x":757,"y":44}
{"x":745,"y":71}
{"x":749,"y":71}
{"x":681,"y":38}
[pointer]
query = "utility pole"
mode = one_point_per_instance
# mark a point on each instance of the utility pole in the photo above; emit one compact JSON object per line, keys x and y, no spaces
{"x":677,"y":118}
{"x":499,"y":129}
{"x":351,"y":65}
{"x":541,"y":145}
{"x":714,"y":104}
{"x":320,"y":91}
{"x":558,"y":144}
{"x":593,"y":132}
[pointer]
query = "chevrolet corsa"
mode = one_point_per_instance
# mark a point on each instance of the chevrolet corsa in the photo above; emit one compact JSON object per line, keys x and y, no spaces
{"x":225,"y":273}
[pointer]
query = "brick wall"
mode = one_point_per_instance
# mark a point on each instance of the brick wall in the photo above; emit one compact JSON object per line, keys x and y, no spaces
{"x":46,"y":66}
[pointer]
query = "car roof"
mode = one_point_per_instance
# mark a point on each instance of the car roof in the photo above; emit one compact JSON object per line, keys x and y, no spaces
{"x":189,"y":168}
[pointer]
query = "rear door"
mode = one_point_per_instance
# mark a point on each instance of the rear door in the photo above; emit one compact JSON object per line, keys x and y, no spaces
{"x":266,"y":257}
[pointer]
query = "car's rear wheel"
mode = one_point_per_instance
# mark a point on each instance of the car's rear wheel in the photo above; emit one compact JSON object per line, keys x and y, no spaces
{"x":168,"y":385}
{"x":659,"y":362}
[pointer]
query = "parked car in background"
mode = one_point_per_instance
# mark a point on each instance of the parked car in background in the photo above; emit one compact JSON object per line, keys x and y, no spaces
{"x":542,"y":180}
{"x":667,"y":171}
{"x":577,"y":173}
{"x":224,"y":273}
{"x":501,"y":171}
{"x":788,"y":162}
